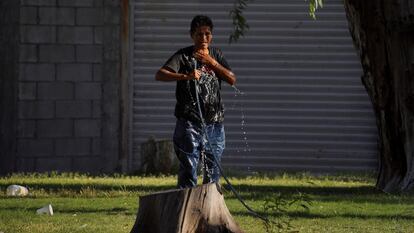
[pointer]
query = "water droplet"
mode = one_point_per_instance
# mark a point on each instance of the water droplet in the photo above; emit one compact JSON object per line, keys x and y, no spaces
{"x":239,"y":104}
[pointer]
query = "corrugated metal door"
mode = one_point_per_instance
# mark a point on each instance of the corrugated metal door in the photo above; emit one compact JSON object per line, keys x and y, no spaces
{"x":303,"y":106}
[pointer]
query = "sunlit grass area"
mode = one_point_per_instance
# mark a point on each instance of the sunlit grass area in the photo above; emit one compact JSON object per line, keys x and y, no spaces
{"x":82,"y":203}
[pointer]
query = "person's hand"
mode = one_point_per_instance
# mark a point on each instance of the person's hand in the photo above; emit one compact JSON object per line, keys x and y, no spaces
{"x":196,"y":74}
{"x":205,"y":58}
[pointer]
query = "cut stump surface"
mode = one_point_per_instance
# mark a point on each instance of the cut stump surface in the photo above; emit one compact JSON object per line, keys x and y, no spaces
{"x":193,"y":210}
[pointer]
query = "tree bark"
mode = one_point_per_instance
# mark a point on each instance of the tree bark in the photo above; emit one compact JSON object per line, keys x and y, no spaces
{"x":194,"y":210}
{"x":383,"y":33}
{"x":158,"y":157}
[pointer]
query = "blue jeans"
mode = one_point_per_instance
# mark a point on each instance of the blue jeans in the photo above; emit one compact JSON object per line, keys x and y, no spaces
{"x":190,"y":143}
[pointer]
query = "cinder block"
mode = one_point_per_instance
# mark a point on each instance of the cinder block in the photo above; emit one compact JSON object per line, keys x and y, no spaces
{"x":109,"y":147}
{"x":36,"y":109}
{"x":26,"y":128}
{"x":37,"y":72}
{"x":55,"y":128}
{"x":110,"y":113}
{"x":34,"y":147}
{"x":112,"y":48}
{"x":75,"y":3}
{"x":75,"y":35}
{"x":56,"y":16}
{"x":60,"y":164}
{"x":98,"y":35}
{"x":73,"y":147}
{"x":96,"y":146}
{"x":89,"y":16}
{"x":28,"y":15}
{"x":55,"y":91}
{"x":97,"y":72}
{"x":88,"y":128}
{"x":96,"y":109}
{"x":91,"y":165}
{"x":89,"y":53}
{"x":98,"y":3}
{"x":88,"y":91}
{"x":27,"y":91}
{"x":112,"y":15}
{"x":111,"y":2}
{"x":26,"y":164}
{"x":73,"y":109}
{"x":110,"y":72}
{"x":57,"y":53}
{"x":110,"y":101}
{"x":28,"y":53}
{"x":38,"y":2}
{"x":37,"y":34}
{"x":74,"y":72}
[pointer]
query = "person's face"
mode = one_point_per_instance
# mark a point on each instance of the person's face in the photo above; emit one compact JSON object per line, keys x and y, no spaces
{"x":202,"y":37}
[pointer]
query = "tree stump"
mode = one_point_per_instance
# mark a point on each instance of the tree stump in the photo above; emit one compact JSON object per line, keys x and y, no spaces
{"x":193,"y":210}
{"x":158,"y":156}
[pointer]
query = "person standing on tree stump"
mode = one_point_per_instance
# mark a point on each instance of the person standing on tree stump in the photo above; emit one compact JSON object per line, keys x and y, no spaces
{"x":211,"y":69}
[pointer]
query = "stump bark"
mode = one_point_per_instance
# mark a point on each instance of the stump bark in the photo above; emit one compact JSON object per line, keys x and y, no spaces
{"x":194,"y":210}
{"x":158,"y":157}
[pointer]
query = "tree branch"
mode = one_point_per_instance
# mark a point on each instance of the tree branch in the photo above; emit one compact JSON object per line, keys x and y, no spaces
{"x":240,"y":25}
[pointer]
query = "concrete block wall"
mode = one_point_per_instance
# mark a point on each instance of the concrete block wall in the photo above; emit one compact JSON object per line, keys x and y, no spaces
{"x":9,"y":50}
{"x":65,"y":45}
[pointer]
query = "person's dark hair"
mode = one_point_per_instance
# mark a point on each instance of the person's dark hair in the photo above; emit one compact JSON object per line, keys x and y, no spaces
{"x":199,"y":21}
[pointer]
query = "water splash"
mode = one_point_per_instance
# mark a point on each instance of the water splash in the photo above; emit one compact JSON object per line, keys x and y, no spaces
{"x":238,"y":95}
{"x":237,"y":90}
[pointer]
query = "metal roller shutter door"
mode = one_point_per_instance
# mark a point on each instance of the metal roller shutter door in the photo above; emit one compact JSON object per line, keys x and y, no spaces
{"x":303,"y":107}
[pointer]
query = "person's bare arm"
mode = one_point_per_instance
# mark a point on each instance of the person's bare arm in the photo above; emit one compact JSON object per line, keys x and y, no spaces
{"x":224,"y":73}
{"x":166,"y":75}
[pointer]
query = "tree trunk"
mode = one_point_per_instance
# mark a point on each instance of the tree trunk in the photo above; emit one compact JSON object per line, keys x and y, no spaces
{"x":158,"y":157}
{"x":194,"y":210}
{"x":383,"y":33}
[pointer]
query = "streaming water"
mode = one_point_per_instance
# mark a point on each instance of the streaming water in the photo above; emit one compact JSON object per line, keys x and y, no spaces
{"x":238,"y":96}
{"x":238,"y":103}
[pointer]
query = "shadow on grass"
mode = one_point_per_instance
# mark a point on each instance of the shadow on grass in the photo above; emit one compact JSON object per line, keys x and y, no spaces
{"x":248,"y":192}
{"x":298,"y":214}
{"x":100,"y":187}
{"x":110,"y":211}
{"x":292,"y":214}
{"x":242,"y":188}
{"x":361,"y":190}
{"x":360,"y":194}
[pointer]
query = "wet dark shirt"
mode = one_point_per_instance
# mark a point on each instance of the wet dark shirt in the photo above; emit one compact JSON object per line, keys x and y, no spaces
{"x":210,"y":85}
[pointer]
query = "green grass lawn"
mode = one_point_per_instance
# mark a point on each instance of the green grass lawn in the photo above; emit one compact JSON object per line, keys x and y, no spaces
{"x":109,"y":204}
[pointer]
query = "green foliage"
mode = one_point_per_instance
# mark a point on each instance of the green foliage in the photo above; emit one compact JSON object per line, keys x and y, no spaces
{"x":240,"y":25}
{"x":340,"y":204}
{"x":280,"y":204}
{"x":313,"y":6}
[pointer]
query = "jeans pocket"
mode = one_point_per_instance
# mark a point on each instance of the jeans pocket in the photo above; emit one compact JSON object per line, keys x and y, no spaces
{"x":217,"y":140}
